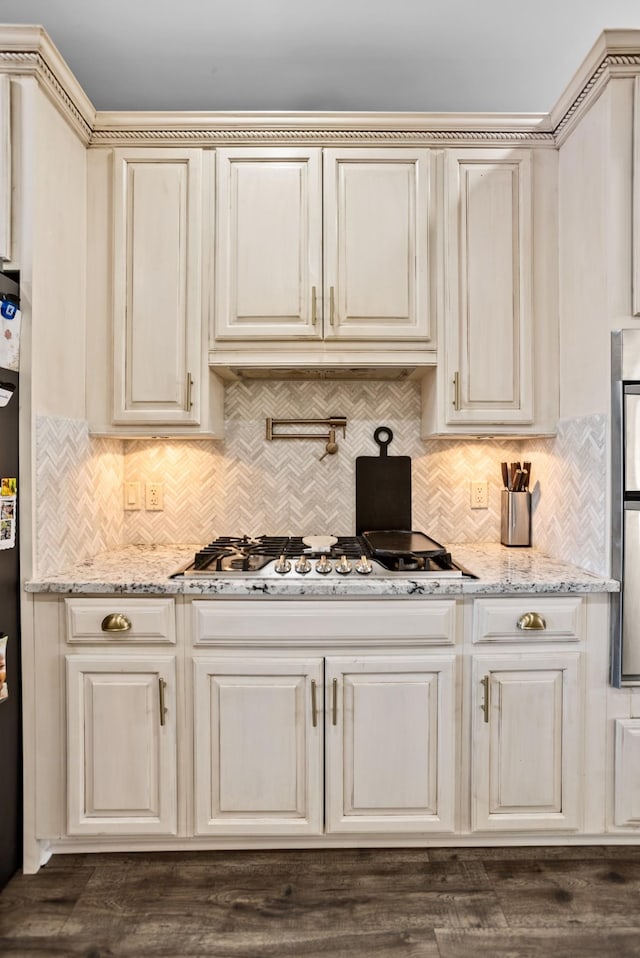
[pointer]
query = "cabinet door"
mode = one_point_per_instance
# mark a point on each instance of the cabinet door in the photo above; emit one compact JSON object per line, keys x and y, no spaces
{"x":268,"y":244}
{"x":488,"y":282}
{"x":121,"y":745}
{"x":157,"y":295}
{"x":526,"y":756}
{"x":377,"y":244}
{"x":391,"y":745}
{"x":5,"y":170}
{"x":258,"y":746}
{"x":636,"y":199}
{"x":627,"y":773}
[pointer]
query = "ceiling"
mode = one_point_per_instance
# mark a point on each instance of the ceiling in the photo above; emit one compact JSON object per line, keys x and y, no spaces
{"x":416,"y":55}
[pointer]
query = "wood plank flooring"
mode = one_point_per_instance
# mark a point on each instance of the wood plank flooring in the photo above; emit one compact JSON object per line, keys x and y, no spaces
{"x":365,"y":903}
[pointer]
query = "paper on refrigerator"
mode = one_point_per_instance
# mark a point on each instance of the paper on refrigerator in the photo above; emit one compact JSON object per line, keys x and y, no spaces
{"x":10,"y":319}
{"x":8,"y":512}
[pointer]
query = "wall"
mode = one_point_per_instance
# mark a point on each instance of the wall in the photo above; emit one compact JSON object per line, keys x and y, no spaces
{"x":595,"y":231}
{"x":58,"y":291}
{"x":248,"y":485}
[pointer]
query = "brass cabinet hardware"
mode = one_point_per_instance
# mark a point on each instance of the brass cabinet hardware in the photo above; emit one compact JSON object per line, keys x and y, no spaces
{"x":332,"y":423}
{"x":314,"y":308}
{"x":189,"y":401}
{"x":163,"y":711}
{"x":115,"y":622}
{"x":531,"y":622}
{"x":314,"y":703}
{"x":456,"y":391}
{"x":332,"y":306}
{"x":334,"y":702}
{"x":485,"y":701}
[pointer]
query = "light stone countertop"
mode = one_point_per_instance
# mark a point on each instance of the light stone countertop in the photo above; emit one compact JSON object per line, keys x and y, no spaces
{"x":145,"y":570}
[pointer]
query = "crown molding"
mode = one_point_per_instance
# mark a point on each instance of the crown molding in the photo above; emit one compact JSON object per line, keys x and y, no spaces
{"x":28,"y":50}
{"x":615,"y":54}
{"x":405,"y":129}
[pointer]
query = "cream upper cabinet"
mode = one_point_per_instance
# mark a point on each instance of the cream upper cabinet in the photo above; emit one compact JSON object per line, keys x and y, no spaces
{"x":376,"y":244}
{"x":150,"y":214}
{"x":526,"y":751}
{"x":488,"y":285}
{"x":322,"y":245}
{"x":157,"y":285}
{"x":268,"y":243}
{"x":160,"y":375}
{"x":635,"y":308}
{"x":5,"y":170}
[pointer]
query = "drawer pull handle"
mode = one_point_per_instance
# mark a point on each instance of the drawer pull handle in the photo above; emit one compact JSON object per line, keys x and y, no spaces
{"x":531,"y":622}
{"x":115,"y":622}
{"x":334,"y":702}
{"x":314,"y":703}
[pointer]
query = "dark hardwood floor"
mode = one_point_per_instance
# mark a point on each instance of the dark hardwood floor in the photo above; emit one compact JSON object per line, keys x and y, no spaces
{"x":418,"y":903}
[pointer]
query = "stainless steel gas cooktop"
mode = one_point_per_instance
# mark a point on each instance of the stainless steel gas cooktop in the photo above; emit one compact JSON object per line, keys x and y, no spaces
{"x":317,"y":557}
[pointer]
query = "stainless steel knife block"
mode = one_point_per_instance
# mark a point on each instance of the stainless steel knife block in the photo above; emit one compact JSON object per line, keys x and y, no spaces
{"x":515,"y":518}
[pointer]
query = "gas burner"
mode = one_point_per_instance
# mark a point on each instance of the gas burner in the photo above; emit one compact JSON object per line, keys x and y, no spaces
{"x":282,"y":557}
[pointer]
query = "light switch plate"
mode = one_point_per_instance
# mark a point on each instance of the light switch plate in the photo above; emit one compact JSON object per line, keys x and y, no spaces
{"x":132,"y":496}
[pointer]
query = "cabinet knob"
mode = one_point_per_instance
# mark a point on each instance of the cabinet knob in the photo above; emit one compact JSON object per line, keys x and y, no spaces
{"x":531,"y":622}
{"x":115,"y":622}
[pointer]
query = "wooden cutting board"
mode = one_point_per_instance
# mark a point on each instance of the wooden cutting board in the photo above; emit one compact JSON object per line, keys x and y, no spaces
{"x":383,"y":488}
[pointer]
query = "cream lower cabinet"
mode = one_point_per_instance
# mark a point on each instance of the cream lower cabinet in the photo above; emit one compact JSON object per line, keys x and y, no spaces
{"x":121,"y":744}
{"x":258,"y":746}
{"x":266,"y":730}
{"x":526,"y":741}
{"x":627,"y":773}
{"x":390,"y":743}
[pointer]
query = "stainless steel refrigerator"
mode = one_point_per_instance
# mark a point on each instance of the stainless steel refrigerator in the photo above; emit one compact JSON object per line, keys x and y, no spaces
{"x":10,"y":699}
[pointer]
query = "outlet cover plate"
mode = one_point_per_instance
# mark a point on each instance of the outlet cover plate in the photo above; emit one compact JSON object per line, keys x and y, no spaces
{"x":479,"y":494}
{"x":153,"y":497}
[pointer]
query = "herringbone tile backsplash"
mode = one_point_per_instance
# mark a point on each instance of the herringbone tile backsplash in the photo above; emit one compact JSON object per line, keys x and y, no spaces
{"x":78,"y":495}
{"x":248,"y":485}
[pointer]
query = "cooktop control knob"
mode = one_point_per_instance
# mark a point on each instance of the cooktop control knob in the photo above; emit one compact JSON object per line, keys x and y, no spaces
{"x":343,"y":566}
{"x":323,"y":566}
{"x":303,"y":565}
{"x":283,"y":565}
{"x":364,"y":566}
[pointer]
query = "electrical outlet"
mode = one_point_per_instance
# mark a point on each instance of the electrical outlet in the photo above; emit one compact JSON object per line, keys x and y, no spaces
{"x":479,"y":494}
{"x":132,"y":496}
{"x":153,"y":497}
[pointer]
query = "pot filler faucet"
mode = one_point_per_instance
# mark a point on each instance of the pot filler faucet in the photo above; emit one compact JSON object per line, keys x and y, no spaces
{"x":332,"y":423}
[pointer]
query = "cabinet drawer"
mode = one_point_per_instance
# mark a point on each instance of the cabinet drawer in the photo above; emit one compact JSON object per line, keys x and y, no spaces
{"x":230,"y":622}
{"x":558,"y":619}
{"x":143,"y":621}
